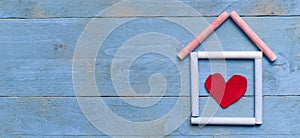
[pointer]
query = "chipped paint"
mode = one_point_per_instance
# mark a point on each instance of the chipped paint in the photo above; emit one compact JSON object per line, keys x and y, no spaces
{"x":36,"y":13}
{"x":270,"y":8}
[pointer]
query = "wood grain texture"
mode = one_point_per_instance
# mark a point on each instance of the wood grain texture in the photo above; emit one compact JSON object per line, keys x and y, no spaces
{"x":56,"y":38}
{"x":37,"y":55}
{"x":62,"y":117}
{"x":38,"y":40}
{"x":91,"y":8}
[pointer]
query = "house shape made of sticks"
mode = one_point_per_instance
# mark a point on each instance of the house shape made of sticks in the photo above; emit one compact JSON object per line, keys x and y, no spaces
{"x":257,"y":56}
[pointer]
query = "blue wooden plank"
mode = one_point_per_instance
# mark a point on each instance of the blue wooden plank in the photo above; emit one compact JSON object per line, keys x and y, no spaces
{"x":39,"y":116}
{"x":54,"y":78}
{"x":56,"y":38}
{"x":36,"y":55}
{"x":46,"y":116}
{"x":77,"y":8}
{"x":40,"y":39}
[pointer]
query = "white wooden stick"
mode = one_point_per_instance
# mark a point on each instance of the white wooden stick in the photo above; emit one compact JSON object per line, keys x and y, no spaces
{"x":258,"y":91}
{"x":194,"y":84}
{"x":230,"y":55}
{"x":222,"y":121}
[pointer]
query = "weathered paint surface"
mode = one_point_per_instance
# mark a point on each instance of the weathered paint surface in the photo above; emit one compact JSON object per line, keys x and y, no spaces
{"x":38,"y":40}
{"x":79,"y":8}
{"x":59,"y":116}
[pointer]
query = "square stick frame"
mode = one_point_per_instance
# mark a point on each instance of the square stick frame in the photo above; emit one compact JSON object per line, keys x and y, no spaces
{"x":195,"y":118}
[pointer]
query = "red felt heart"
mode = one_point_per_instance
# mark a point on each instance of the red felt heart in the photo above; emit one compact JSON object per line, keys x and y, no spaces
{"x":226,"y":93}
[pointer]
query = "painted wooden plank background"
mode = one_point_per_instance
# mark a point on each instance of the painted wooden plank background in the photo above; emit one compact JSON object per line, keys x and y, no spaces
{"x":79,"y":8}
{"x":61,"y":116}
{"x":38,"y":40}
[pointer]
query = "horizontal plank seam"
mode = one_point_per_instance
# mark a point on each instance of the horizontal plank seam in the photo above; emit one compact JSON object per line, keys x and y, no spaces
{"x":295,"y":134}
{"x":90,"y":17}
{"x":201,"y":96}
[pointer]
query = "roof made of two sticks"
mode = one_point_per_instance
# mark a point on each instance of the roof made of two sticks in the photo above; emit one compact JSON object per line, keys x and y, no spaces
{"x":216,"y":23}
